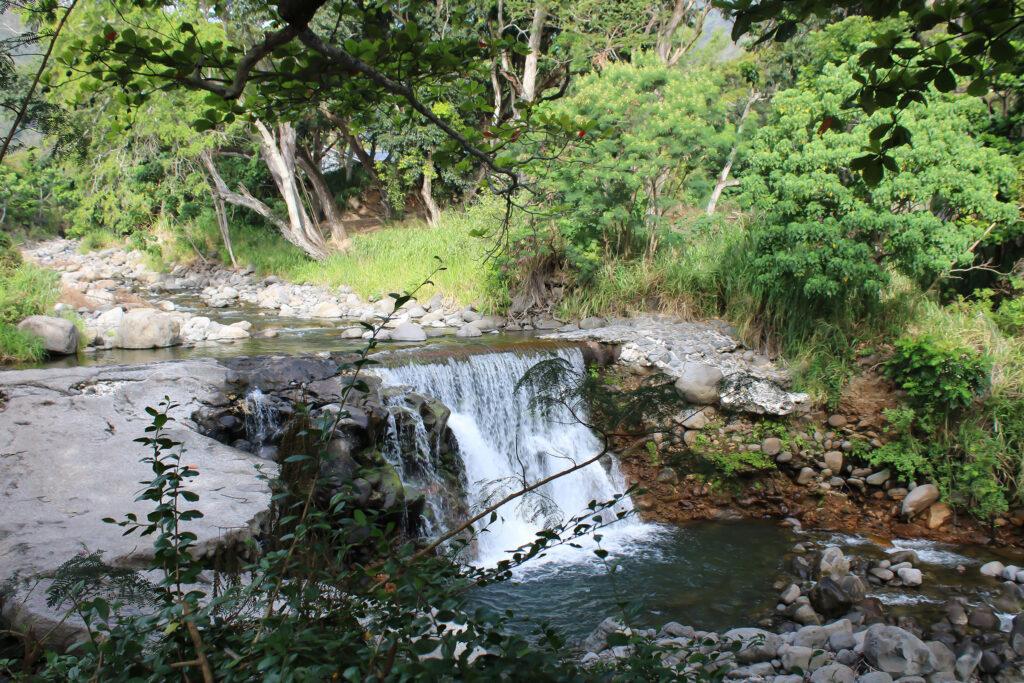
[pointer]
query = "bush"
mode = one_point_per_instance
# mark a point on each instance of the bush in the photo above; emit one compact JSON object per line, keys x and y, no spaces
{"x":939,"y":376}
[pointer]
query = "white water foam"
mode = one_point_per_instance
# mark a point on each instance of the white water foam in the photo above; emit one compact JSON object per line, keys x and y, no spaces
{"x":502,"y":441}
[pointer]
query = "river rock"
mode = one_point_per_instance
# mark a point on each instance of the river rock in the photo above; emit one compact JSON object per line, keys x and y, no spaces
{"x":771,"y":446}
{"x":217,"y":332}
{"x":789,"y":596}
{"x":878,"y":478}
{"x":994,"y":568}
{"x":698,"y":383}
{"x":55,"y":490}
{"x":758,"y":396}
{"x":833,"y":673}
{"x":806,"y":476}
{"x":918,"y":500}
{"x":592,"y":323}
{"x":896,"y":651}
{"x":910,"y":576}
{"x":874,"y":677}
{"x":468,"y":331}
{"x":834,"y":461}
{"x":488,"y":323}
{"x":833,"y":597}
{"x":326,"y":309}
{"x":408,"y":332}
{"x":59,"y":336}
{"x":147,"y":328}
{"x":758,"y":645}
{"x":833,"y":563}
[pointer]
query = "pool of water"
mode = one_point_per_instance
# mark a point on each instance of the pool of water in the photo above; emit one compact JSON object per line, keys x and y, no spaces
{"x":709,"y":575}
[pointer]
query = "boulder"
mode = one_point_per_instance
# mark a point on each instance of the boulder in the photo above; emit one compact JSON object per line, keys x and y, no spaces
{"x":758,"y":396}
{"x":833,"y":597}
{"x":147,"y":328}
{"x":920,"y":499}
{"x":326,"y":309}
{"x":217,"y":332}
{"x":592,"y":323}
{"x":994,"y":568}
{"x":874,"y":677}
{"x":698,"y":383}
{"x":598,"y":640}
{"x":896,"y":651}
{"x":833,"y":563}
{"x":938,"y":514}
{"x":757,"y":645}
{"x":910,"y":576}
{"x":806,"y":476}
{"x":771,"y":446}
{"x":468,"y":331}
{"x":408,"y":332}
{"x":878,"y":478}
{"x":488,"y":323}
{"x":59,"y":335}
{"x":833,"y":673}
{"x":834,"y":461}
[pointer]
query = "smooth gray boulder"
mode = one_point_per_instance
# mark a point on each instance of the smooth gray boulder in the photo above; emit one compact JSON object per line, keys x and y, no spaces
{"x":897,"y":652}
{"x":147,"y":328}
{"x":468,"y":331}
{"x":920,"y":499}
{"x":408,"y":332}
{"x":69,"y":459}
{"x":833,"y":673}
{"x":698,"y":383}
{"x":59,"y":335}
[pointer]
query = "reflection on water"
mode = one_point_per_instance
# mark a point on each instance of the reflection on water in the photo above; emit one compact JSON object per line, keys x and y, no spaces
{"x":711,"y":575}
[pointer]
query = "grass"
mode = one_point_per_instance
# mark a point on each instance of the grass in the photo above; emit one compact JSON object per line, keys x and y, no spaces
{"x":25,"y":290}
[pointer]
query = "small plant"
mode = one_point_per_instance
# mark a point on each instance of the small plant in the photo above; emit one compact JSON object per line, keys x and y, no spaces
{"x":906,"y":454}
{"x":939,"y":376}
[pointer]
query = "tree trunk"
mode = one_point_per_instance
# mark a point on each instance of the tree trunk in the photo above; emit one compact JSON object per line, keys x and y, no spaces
{"x":426,"y":192}
{"x":325,"y":198}
{"x":723,"y":177}
{"x":540,"y":13}
{"x":365,"y":159}
{"x":279,"y":154}
{"x":218,"y":207}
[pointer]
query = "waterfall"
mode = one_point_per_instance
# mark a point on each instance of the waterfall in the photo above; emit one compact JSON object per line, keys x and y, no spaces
{"x":500,"y":439}
{"x":260,"y":418}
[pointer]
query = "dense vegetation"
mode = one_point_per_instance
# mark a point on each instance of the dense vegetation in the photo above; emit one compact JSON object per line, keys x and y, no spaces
{"x":851,"y":185}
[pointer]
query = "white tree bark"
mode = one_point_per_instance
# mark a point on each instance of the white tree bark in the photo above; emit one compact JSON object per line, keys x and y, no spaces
{"x":723,"y":177}
{"x":540,"y":15}
{"x":427,"y":193}
{"x":333,"y":224}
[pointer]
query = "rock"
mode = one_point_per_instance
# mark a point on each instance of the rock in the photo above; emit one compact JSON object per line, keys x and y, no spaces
{"x":901,"y":556}
{"x":1010,"y":572}
{"x":833,"y":563}
{"x":696,"y":420}
{"x":789,"y":596}
{"x":909,"y":576}
{"x":488,"y":323}
{"x":217,"y":332}
{"x":833,"y":597}
{"x":994,"y":568}
{"x":408,"y":332}
{"x":698,"y":383}
{"x":598,"y":639}
{"x":468,"y":331}
{"x":874,"y":677}
{"x":1009,"y":598}
{"x":811,"y":636}
{"x":796,"y":657}
{"x":55,"y":490}
{"x":805,"y":614}
{"x":896,"y":651}
{"x":469,"y":315}
{"x":806,"y":476}
{"x":592,"y":323}
{"x":982,"y":617}
{"x":878,"y":478}
{"x":59,"y":336}
{"x":147,"y":328}
{"x":834,"y":460}
{"x":882,"y":573}
{"x":837,"y":421}
{"x":110,"y":320}
{"x":326,"y":309}
{"x":758,"y":396}
{"x":943,"y":658}
{"x":833,"y":673}
{"x":918,"y":500}
{"x":771,"y":446}
{"x":758,"y":645}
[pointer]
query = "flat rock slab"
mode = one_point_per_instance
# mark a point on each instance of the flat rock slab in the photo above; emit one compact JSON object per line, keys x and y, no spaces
{"x":68,"y":459}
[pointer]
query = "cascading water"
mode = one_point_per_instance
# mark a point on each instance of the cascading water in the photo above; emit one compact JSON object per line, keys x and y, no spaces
{"x":261,"y":419}
{"x":501,"y":441}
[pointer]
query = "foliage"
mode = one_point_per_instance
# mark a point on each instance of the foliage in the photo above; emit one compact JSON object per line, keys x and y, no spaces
{"x":907,"y":455}
{"x":17,"y":346}
{"x":654,"y":135}
{"x":939,"y":375}
{"x":26,"y":290}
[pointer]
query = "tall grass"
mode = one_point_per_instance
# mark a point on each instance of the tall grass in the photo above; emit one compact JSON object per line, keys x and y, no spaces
{"x":25,"y":290}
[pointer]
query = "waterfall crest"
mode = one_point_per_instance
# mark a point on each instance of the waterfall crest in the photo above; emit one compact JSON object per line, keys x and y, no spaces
{"x":501,"y":440}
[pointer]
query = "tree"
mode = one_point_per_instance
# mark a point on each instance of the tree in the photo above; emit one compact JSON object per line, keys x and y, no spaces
{"x":944,"y":47}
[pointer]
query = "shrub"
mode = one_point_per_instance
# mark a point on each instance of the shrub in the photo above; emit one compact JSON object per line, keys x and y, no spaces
{"x":907,"y":455}
{"x":939,"y":376}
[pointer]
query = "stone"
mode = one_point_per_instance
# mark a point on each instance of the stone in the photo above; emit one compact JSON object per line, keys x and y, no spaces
{"x":758,"y":645}
{"x":217,"y":332}
{"x":878,"y":478}
{"x":835,"y":596}
{"x":874,"y":677}
{"x":469,"y":315}
{"x":410,"y":332}
{"x":592,"y":323}
{"x":833,"y":673}
{"x":896,"y":651}
{"x":771,"y":446}
{"x":147,"y":328}
{"x":834,"y":460}
{"x":882,"y":573}
{"x":55,"y":490}
{"x":795,"y":657}
{"x":910,"y":576}
{"x":994,"y":568}
{"x":943,"y":658}
{"x":326,"y":309}
{"x":488,"y":323}
{"x":833,"y":563}
{"x":805,"y":614}
{"x":811,"y":636}
{"x":59,"y":335}
{"x":806,"y":476}
{"x":758,"y":396}
{"x":918,"y":500}
{"x":982,"y":617}
{"x":468,"y":331}
{"x":837,"y":421}
{"x":789,"y":596}
{"x":598,"y":639}
{"x":695,"y":420}
{"x":698,"y":383}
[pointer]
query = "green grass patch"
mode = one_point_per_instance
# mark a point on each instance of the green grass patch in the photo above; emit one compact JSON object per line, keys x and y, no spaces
{"x":17,"y":346}
{"x":27,"y":290}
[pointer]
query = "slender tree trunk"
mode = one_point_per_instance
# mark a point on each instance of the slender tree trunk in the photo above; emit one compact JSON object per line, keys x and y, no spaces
{"x":218,"y":205}
{"x":427,"y":192}
{"x":663,"y":47}
{"x":325,"y":198}
{"x":723,"y":177}
{"x":27,"y":101}
{"x":365,"y":158}
{"x":279,"y":153}
{"x":540,"y":14}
